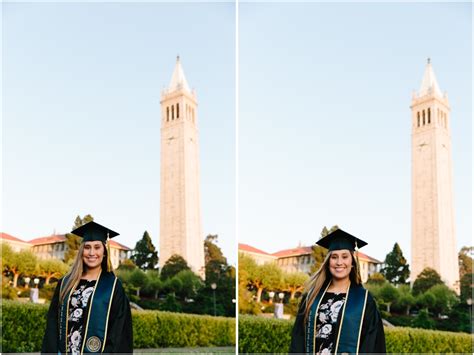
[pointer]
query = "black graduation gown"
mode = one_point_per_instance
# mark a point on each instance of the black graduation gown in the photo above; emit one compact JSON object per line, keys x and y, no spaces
{"x":119,"y":334}
{"x":372,"y":338}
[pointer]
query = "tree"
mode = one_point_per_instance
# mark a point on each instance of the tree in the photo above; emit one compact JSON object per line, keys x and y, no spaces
{"x":423,"y":320}
{"x":319,"y":253}
{"x":376,"y":279}
{"x":191,"y":284}
{"x":220,"y":273}
{"x":173,"y":266}
{"x":425,"y":280}
{"x":388,"y":294}
{"x":50,"y":268}
{"x":22,"y":263}
{"x":127,"y":264}
{"x":72,"y":240}
{"x":212,"y":251}
{"x":153,"y":284}
{"x":465,"y":273}
{"x":145,"y":255}
{"x":465,"y":261}
{"x":294,"y":282}
{"x":215,"y":262}
{"x":405,"y":300}
{"x":425,"y":300}
{"x":6,"y":256}
{"x":396,"y":269}
{"x":445,"y":299}
{"x":247,"y":267}
{"x":138,"y":279}
{"x":466,"y":287}
{"x":267,"y":276}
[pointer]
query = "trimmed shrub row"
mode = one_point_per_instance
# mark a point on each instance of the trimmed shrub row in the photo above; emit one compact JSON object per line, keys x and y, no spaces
{"x":261,"y":335}
{"x":23,"y":327}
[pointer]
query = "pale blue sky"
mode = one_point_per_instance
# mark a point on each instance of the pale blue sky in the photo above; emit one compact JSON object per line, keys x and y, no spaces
{"x":324,"y":128}
{"x":81,"y":114}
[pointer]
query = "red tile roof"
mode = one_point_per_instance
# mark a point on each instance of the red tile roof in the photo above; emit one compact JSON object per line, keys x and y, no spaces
{"x":117,"y":245}
{"x":251,"y":249}
{"x":294,"y":251}
{"x":368,"y":258}
{"x":58,"y":238}
{"x":12,"y":238}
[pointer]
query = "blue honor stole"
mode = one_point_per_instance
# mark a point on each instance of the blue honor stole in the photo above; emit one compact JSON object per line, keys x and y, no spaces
{"x":350,"y":325}
{"x":97,"y":319}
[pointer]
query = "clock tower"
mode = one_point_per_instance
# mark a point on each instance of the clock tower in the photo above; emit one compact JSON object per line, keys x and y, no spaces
{"x":180,"y":202}
{"x":433,"y":231}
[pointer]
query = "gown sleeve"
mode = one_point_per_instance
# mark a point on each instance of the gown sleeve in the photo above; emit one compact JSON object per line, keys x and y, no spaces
{"x":51,"y":335}
{"x":119,"y":335}
{"x":297,"y":335}
{"x":372,"y":339}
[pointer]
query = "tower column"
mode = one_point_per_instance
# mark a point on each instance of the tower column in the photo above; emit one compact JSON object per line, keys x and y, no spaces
{"x":180,"y":203}
{"x":433,"y":225}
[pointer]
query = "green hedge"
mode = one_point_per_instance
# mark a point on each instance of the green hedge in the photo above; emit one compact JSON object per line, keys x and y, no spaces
{"x":261,"y":335}
{"x":23,"y":327}
{"x":264,"y":335}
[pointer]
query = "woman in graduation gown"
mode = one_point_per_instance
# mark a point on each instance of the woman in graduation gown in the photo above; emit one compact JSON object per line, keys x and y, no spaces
{"x":336,"y":314}
{"x":89,"y":312}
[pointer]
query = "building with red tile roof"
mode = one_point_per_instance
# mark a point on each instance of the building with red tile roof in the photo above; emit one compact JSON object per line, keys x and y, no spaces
{"x":55,"y":247}
{"x":16,"y":244}
{"x":301,"y":259}
{"x":260,"y":256}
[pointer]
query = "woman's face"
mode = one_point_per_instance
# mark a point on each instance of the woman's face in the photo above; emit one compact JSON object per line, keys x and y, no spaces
{"x":340,"y":264}
{"x":93,"y":254}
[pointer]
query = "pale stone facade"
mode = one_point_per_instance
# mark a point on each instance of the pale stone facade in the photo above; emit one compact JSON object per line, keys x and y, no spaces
{"x":180,"y":211}
{"x":433,"y":231}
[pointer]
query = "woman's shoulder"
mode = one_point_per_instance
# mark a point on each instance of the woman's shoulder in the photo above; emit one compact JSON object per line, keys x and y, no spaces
{"x":370,"y":297}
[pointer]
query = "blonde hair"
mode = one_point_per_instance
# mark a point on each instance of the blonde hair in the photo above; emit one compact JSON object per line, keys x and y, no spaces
{"x":322,"y":277}
{"x":78,"y":268}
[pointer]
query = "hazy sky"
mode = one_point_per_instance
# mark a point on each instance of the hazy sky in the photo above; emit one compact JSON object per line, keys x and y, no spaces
{"x":81,"y":114}
{"x":325,"y":122}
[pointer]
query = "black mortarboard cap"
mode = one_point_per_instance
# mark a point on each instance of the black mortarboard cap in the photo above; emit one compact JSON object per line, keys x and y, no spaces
{"x":93,"y":231}
{"x":339,"y":239}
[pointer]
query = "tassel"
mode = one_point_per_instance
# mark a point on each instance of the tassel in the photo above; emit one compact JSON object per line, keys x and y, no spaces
{"x":109,"y":262}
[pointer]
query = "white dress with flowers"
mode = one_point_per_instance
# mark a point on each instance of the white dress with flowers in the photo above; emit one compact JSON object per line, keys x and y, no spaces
{"x":78,"y":307}
{"x":326,"y":323}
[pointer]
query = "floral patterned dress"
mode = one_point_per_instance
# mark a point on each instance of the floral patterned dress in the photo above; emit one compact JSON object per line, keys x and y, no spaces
{"x":326,"y":323}
{"x":78,"y":306}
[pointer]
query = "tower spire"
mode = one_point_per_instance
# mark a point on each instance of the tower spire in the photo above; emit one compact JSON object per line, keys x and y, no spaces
{"x":429,"y":84}
{"x":178,"y":79}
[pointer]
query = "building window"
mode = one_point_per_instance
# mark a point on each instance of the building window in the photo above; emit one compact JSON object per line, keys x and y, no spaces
{"x":418,"y":118}
{"x":172,"y":112}
{"x":429,"y":116}
{"x":177,"y":110}
{"x":424,"y":117}
{"x":167,"y":114}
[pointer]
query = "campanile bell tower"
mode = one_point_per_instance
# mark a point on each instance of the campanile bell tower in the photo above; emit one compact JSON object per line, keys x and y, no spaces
{"x":180,"y":202}
{"x":433,"y":230}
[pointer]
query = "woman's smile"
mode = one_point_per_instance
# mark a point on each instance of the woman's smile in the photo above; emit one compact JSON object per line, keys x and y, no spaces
{"x":93,"y":254}
{"x":340,"y":263}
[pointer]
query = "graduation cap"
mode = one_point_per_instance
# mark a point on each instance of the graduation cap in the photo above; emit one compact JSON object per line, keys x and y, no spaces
{"x":339,"y":239}
{"x":93,"y":231}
